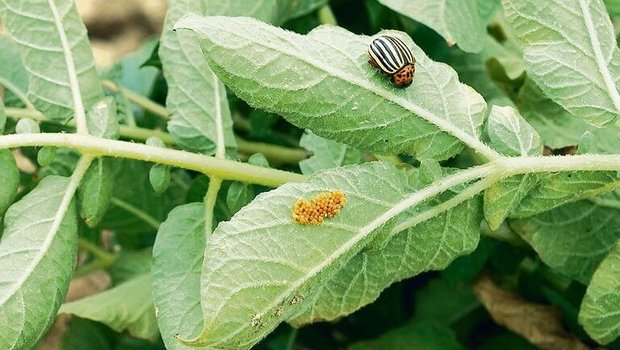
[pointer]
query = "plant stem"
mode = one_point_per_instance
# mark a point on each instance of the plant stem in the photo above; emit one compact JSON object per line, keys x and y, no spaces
{"x":275,"y":153}
{"x":326,"y":15}
{"x":139,"y":100}
{"x":226,"y":169}
{"x":210,"y":199}
{"x":146,"y":218}
{"x":96,"y":251}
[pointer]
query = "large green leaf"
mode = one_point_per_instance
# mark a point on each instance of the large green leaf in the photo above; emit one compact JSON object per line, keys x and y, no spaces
{"x":570,"y":51}
{"x":330,"y":88}
{"x":261,"y":266}
{"x":600,"y":309}
{"x":574,"y":238}
{"x":55,"y":50}
{"x":37,"y":254}
{"x":457,"y":21}
{"x":326,"y":154}
{"x":127,"y":306}
{"x":177,"y":263}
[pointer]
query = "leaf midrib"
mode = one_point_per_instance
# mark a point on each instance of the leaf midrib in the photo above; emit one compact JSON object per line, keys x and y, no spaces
{"x":598,"y":54}
{"x":398,"y":208}
{"x":78,"y":107}
{"x":442,"y":124}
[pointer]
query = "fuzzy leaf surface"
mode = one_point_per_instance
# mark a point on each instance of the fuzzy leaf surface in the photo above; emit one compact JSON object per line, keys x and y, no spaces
{"x":128,"y":306}
{"x":322,"y":81}
{"x":457,"y":21}
{"x":570,"y":51}
{"x":600,"y":309}
{"x":54,"y":45}
{"x":574,"y":238}
{"x":196,"y":99}
{"x":177,"y":263}
{"x":37,"y":254}
{"x":512,"y":135}
{"x":430,"y":245}
{"x":261,"y":266}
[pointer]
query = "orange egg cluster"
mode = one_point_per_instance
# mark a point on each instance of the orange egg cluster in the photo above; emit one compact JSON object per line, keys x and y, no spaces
{"x":322,"y":206}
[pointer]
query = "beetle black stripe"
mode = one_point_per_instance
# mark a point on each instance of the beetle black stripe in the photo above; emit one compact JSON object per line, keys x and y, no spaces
{"x":382,"y":58}
{"x":403,"y":49}
{"x":390,"y":54}
{"x":394,"y":44}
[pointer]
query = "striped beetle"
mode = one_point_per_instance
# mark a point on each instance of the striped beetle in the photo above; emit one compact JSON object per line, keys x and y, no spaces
{"x":392,"y":57}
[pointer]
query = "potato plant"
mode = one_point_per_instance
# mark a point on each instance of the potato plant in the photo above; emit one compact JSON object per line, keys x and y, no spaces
{"x":252,"y":181}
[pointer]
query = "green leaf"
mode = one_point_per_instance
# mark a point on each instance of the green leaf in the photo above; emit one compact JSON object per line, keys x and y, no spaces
{"x":430,"y":245}
{"x":501,"y":199}
{"x":130,"y":264}
{"x":600,"y":309}
{"x":574,"y":238}
{"x":613,"y":6}
{"x":126,"y":307}
{"x":95,"y":191}
{"x":570,"y":51}
{"x":37,"y":254}
{"x":56,"y":53}
{"x":333,"y":91}
{"x":239,"y":195}
{"x":177,"y":263}
{"x":197,"y":100}
{"x":443,"y":302}
{"x":414,"y":335}
{"x":9,"y":178}
{"x":46,"y":155}
{"x":85,"y":334}
{"x":102,"y":120}
{"x":488,"y":8}
{"x":457,"y":21}
{"x":558,"y":128}
{"x":259,"y":159}
{"x":557,"y":189}
{"x":430,"y":171}
{"x":27,"y":126}
{"x":13,"y":75}
{"x":160,"y":177}
{"x":326,"y":154}
{"x":507,"y":54}
{"x":511,"y":135}
{"x":240,"y":308}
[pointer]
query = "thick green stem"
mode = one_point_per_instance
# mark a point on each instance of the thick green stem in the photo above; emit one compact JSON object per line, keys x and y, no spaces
{"x":275,"y":153}
{"x":223,"y":168}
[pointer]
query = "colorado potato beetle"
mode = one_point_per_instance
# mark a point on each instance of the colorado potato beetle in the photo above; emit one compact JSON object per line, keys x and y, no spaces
{"x":392,"y":57}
